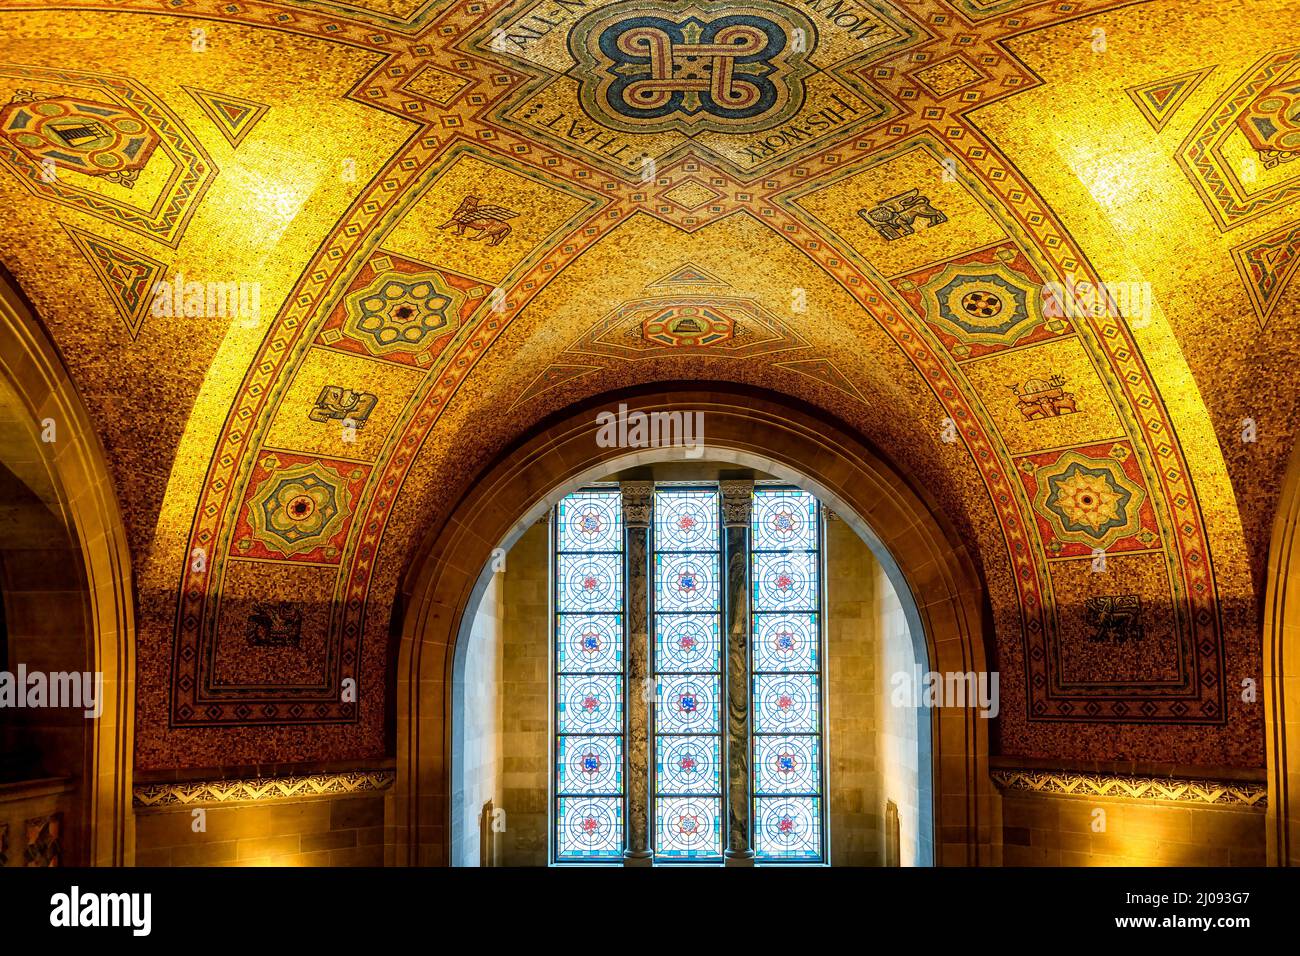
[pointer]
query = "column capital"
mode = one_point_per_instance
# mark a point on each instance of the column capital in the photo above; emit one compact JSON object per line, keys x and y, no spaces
{"x":637,"y":497}
{"x":737,"y":499}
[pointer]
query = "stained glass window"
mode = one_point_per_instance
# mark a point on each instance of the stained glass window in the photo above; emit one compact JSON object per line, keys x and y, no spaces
{"x":687,"y":666}
{"x":785,"y":571}
{"x":589,"y":691}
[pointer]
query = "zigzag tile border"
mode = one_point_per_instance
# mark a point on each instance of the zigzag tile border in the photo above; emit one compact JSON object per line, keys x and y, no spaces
{"x":1216,"y":792}
{"x":261,"y":788}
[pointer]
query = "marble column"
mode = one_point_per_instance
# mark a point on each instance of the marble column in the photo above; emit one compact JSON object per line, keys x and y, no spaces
{"x":637,"y":499}
{"x":737,"y":497}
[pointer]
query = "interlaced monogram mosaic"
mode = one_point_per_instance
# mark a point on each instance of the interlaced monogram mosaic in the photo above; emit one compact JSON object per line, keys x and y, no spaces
{"x":673,"y":66}
{"x":753,"y":84}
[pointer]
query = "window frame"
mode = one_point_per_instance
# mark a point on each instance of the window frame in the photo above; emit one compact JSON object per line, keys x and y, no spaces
{"x":553,"y":666}
{"x":721,"y":672}
{"x":823,"y":683}
{"x":724,"y":602}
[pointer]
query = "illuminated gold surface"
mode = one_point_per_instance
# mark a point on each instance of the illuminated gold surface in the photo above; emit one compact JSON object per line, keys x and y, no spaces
{"x":358,"y":153}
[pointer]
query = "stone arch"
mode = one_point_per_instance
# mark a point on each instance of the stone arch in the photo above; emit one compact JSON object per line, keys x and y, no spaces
{"x":77,"y":463}
{"x":1282,"y":674}
{"x":928,"y":566}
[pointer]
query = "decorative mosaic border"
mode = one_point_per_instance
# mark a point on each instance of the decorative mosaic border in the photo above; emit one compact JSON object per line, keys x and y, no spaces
{"x":1218,"y":792}
{"x":1210,"y":172}
{"x":262,"y":788}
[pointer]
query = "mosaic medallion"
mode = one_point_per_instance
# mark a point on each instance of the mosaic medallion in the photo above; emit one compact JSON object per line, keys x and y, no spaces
{"x":1089,"y":501}
{"x":1271,"y":123}
{"x":646,"y":67}
{"x":755,"y":83}
{"x":83,"y":135}
{"x":104,"y":146}
{"x":402,"y":313}
{"x":299,"y":508}
{"x":687,"y":326}
{"x":1238,"y":156}
{"x":988,"y":305}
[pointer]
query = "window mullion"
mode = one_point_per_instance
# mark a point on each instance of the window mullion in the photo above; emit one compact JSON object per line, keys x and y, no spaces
{"x":637,"y":513}
{"x":737,"y":503}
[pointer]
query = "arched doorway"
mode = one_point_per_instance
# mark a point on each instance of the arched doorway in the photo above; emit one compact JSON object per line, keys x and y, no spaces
{"x":70,"y":460}
{"x":928,"y":568}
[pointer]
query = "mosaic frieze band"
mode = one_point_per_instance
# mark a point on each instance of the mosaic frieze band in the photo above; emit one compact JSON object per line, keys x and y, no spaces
{"x":261,"y":788}
{"x":1064,"y":783}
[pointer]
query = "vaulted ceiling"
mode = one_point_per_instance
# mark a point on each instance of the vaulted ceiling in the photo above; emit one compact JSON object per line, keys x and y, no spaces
{"x":445,"y":220}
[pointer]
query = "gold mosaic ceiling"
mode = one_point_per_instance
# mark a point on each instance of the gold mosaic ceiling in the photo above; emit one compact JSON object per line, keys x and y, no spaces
{"x":312,"y":264}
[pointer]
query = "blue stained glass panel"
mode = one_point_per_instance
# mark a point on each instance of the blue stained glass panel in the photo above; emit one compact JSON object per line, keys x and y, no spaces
{"x":787,"y":828}
{"x":688,"y":765}
{"x":687,"y":642}
{"x":688,"y":827}
{"x":590,"y":765}
{"x":589,"y":583}
{"x":590,"y":521}
{"x":589,"y":828}
{"x":686,"y":520}
{"x":686,"y":574}
{"x":787,"y":764}
{"x":589,"y":644}
{"x":786,"y":642}
{"x":589,"y":705}
{"x":589,"y":683}
{"x":687,"y":704}
{"x":784,"y":520}
{"x":686,"y":582}
{"x":785,"y":582}
{"x":786,"y":704}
